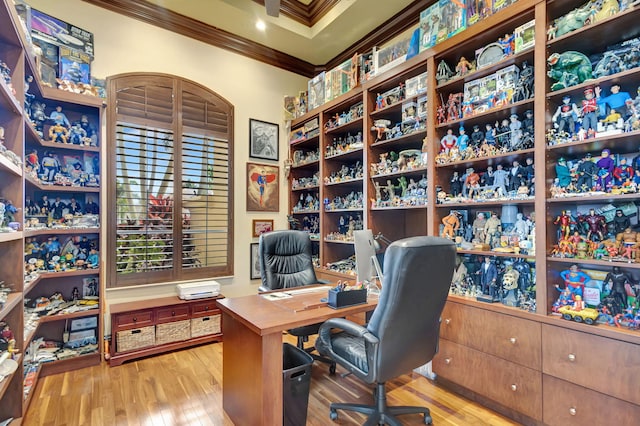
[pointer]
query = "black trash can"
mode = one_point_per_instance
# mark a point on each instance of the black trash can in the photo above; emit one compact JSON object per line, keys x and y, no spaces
{"x":296,"y":374}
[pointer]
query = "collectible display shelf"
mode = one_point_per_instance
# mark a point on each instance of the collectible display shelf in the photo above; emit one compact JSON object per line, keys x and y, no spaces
{"x":544,"y":369}
{"x":17,"y":184}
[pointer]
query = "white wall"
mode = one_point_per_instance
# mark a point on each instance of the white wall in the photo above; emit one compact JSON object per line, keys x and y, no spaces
{"x":255,"y":89}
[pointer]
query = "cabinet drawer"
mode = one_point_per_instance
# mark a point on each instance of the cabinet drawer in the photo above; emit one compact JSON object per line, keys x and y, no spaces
{"x":511,"y":338}
{"x":504,"y":382}
{"x":566,"y":404}
{"x":203,"y":309}
{"x":133,"y":319}
{"x":173,"y":313}
{"x":605,"y":365}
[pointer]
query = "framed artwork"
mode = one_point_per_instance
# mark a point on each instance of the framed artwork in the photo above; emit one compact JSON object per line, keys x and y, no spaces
{"x":254,"y":262}
{"x":261,"y":226}
{"x":90,"y":288}
{"x":263,"y":140}
{"x":263,"y":183}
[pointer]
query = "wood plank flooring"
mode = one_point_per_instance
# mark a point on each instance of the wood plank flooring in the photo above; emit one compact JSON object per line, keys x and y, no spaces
{"x":184,"y":388}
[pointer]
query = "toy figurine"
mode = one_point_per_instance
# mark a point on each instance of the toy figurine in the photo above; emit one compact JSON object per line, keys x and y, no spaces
{"x":477,"y":137}
{"x":575,"y":280}
{"x":616,"y":281}
{"x":463,"y":139}
{"x":488,"y":278}
{"x":50,"y":166}
{"x":565,"y":221}
{"x":521,"y":227}
{"x":464,"y":67}
{"x":565,"y":115}
{"x":606,"y":166}
{"x":622,"y":172}
{"x":478,"y":228}
{"x":568,"y":69}
{"x":596,"y":225}
{"x":620,"y":222}
{"x":58,"y":133}
{"x":32,"y":161}
{"x":443,"y":73}
{"x":515,"y":127}
{"x":451,"y":224}
{"x":516,"y":176}
{"x":91,"y":207}
{"x":563,"y":174}
{"x":589,"y":112}
{"x":615,"y":100}
{"x":500,"y":180}
{"x":586,"y":171}
{"x":492,"y":230}
{"x":627,"y":242}
{"x":448,"y":141}
{"x":455,"y":187}
{"x":510,"y":279}
{"x":93,"y":260}
{"x":472,"y":183}
{"x":488,"y":177}
{"x":59,"y":118}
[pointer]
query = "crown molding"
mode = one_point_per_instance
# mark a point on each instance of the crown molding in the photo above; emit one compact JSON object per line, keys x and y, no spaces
{"x":189,"y":27}
{"x":305,"y":14}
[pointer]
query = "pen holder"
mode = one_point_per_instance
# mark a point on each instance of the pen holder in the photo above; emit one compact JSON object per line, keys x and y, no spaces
{"x":340,"y":299}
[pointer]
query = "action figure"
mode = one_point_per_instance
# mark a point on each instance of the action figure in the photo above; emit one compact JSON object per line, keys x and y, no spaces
{"x":616,"y":280}
{"x":463,"y":139}
{"x":620,"y":222}
{"x":586,"y":171}
{"x":605,"y":171}
{"x":464,"y":67}
{"x":622,"y":173}
{"x":563,"y":174}
{"x":488,"y":278}
{"x":492,"y":230}
{"x":515,"y":176}
{"x":472,"y":182}
{"x":521,"y":227}
{"x":615,"y":100}
{"x":448,"y":141}
{"x":451,"y":225}
{"x":59,"y":118}
{"x":500,"y":180}
{"x":478,"y":228}
{"x":455,"y":187}
{"x":565,"y":221}
{"x":575,"y":280}
{"x":50,"y":166}
{"x":589,"y":113}
{"x":565,"y":115}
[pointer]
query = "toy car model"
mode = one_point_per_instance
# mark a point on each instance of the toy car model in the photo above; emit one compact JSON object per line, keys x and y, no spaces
{"x":586,"y":315}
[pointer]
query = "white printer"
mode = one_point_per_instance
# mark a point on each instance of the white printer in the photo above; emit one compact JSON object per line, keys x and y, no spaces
{"x":198,"y":290}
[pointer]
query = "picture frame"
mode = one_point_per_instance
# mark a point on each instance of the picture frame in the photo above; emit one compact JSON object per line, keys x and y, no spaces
{"x":90,"y":288}
{"x":263,"y":187}
{"x":263,"y":140}
{"x":261,"y":226}
{"x":254,"y":262}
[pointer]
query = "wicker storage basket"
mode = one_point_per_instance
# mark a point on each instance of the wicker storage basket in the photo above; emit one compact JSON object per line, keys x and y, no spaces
{"x":205,"y":325}
{"x":173,"y":332}
{"x":128,"y":340}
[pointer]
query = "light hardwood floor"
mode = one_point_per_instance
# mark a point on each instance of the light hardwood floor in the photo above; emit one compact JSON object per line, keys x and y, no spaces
{"x":185,"y":388}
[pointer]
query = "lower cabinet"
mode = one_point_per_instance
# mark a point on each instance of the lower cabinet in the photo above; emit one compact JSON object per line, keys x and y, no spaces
{"x":511,"y":385}
{"x":567,"y":404}
{"x":159,"y":325}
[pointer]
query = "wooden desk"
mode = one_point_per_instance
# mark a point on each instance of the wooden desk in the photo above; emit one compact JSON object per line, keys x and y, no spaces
{"x":252,"y":326}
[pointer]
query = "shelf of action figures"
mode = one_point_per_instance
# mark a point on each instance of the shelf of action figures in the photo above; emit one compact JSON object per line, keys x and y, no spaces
{"x":407,"y":207}
{"x":617,"y":261}
{"x":28,"y":285}
{"x":488,"y":202}
{"x":60,"y":231}
{"x":306,"y":165}
{"x":344,"y":182}
{"x":348,"y":155}
{"x":595,"y":197}
{"x":620,"y":78}
{"x":7,"y":98}
{"x":496,"y":253}
{"x":10,"y":236}
{"x":4,"y":384}
{"x":305,"y":188}
{"x":358,"y":209}
{"x":355,"y":124}
{"x":307,"y":141}
{"x":595,"y":37}
{"x":57,"y":145}
{"x":394,"y":107}
{"x":305,"y":212}
{"x":622,"y":142}
{"x":12,"y":300}
{"x":60,"y":188}
{"x":481,"y":118}
{"x":8,"y":165}
{"x":405,"y":140}
{"x":409,"y":172}
{"x":491,"y":160}
{"x":456,"y":84}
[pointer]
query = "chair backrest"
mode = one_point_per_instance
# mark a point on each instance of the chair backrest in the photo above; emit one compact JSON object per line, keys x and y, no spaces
{"x":285,"y":260}
{"x":417,"y":277}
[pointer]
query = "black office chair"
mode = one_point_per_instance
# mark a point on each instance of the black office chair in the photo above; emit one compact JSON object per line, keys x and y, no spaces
{"x":285,"y":262}
{"x":404,"y":329}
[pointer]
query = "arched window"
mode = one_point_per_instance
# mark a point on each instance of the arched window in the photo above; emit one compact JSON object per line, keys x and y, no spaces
{"x":170,"y":187}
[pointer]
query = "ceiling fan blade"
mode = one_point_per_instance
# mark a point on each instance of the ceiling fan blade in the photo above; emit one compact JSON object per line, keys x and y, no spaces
{"x":273,"y":7}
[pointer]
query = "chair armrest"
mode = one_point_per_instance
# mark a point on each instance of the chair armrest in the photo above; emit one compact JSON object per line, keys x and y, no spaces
{"x":348,"y":326}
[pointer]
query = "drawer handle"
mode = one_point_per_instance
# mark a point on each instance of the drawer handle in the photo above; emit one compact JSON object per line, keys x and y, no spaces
{"x":447,"y":361}
{"x":572,"y":357}
{"x":572,"y":411}
{"x":135,"y":319}
{"x":206,"y":308}
{"x":173,"y":313}
{"x":447,"y":321}
{"x":514,"y":388}
{"x":513,"y":340}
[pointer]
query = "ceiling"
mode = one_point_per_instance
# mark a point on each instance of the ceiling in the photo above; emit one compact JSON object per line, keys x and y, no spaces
{"x":315,"y":31}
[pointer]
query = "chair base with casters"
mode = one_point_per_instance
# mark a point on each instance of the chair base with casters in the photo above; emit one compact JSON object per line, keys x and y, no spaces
{"x":381,"y":413}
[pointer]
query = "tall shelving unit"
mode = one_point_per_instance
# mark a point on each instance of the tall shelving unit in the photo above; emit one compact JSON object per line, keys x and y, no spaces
{"x":19,"y":185}
{"x":542,"y":369}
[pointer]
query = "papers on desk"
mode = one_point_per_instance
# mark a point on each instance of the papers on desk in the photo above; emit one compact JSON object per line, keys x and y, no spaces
{"x":277,"y":296}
